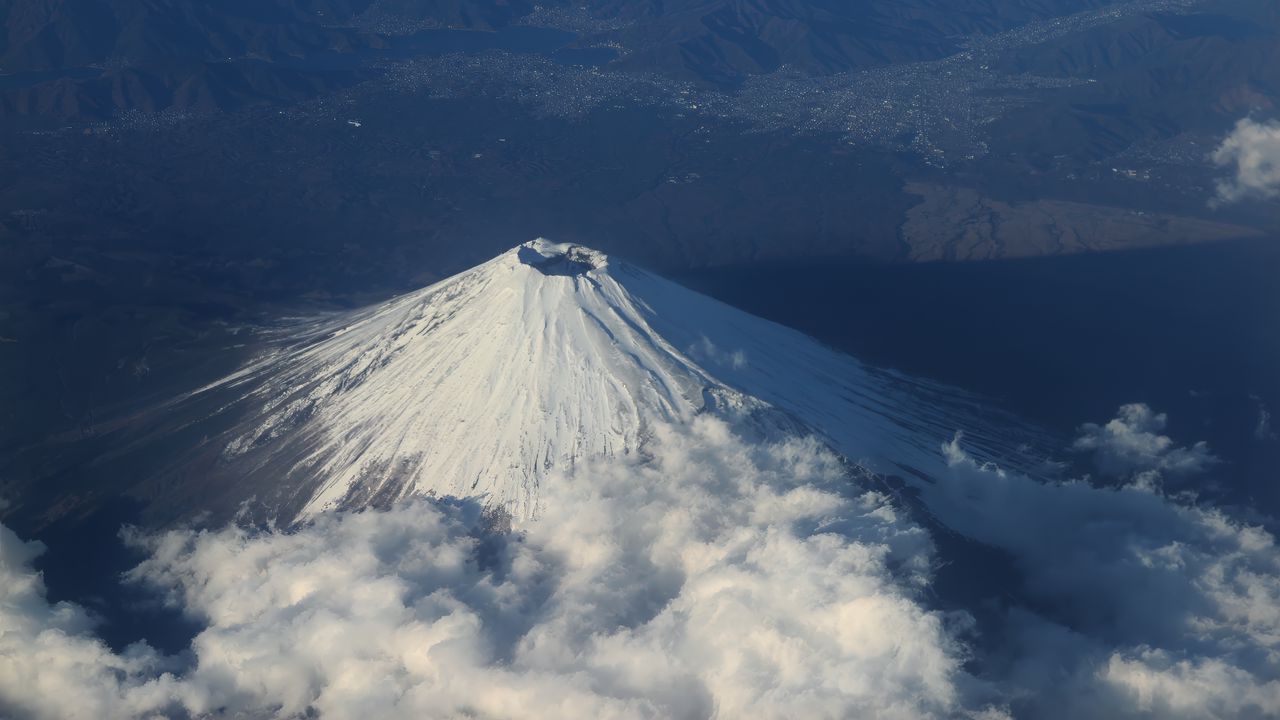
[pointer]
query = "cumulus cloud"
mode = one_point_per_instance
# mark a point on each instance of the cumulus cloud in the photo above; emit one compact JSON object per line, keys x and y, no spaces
{"x":714,"y":578}
{"x":1252,"y":153}
{"x":51,"y":665}
{"x":1133,"y":442}
{"x":1132,"y":604}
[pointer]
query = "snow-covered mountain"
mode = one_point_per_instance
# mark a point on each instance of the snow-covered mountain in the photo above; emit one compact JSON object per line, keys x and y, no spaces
{"x":487,"y":383}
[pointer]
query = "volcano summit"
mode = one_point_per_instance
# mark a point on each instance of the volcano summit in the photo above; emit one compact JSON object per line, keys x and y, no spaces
{"x":487,"y":383}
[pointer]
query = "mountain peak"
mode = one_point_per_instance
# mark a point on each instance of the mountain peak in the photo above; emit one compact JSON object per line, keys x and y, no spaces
{"x":480,"y":385}
{"x":553,"y":258}
{"x":491,"y":382}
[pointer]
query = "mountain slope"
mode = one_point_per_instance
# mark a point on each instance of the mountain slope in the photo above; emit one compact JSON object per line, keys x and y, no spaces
{"x":489,"y":382}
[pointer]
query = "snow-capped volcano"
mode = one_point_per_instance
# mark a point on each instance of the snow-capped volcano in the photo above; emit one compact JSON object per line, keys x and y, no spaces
{"x":486,"y":383}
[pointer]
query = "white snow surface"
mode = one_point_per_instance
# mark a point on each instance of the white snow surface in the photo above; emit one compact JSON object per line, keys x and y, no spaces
{"x":488,"y":382}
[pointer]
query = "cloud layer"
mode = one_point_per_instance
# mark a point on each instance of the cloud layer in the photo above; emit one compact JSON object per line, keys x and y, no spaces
{"x":1133,"y":605}
{"x":715,"y":578}
{"x":712,"y":578}
{"x":1252,"y":153}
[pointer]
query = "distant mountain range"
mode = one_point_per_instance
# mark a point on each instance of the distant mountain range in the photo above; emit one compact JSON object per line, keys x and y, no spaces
{"x":90,"y":58}
{"x":711,"y":38}
{"x":723,"y":40}
{"x":1151,"y":75}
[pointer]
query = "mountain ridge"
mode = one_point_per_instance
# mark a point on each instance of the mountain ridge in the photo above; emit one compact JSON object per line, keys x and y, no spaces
{"x":490,"y":382}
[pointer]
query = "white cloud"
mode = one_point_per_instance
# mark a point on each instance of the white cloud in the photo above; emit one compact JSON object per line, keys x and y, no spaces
{"x":716,"y":579}
{"x":707,"y":351}
{"x":712,"y":578}
{"x":1132,"y":443}
{"x":1252,"y":153}
{"x":1127,"y":594}
{"x":51,"y":665}
{"x":1161,"y":685}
